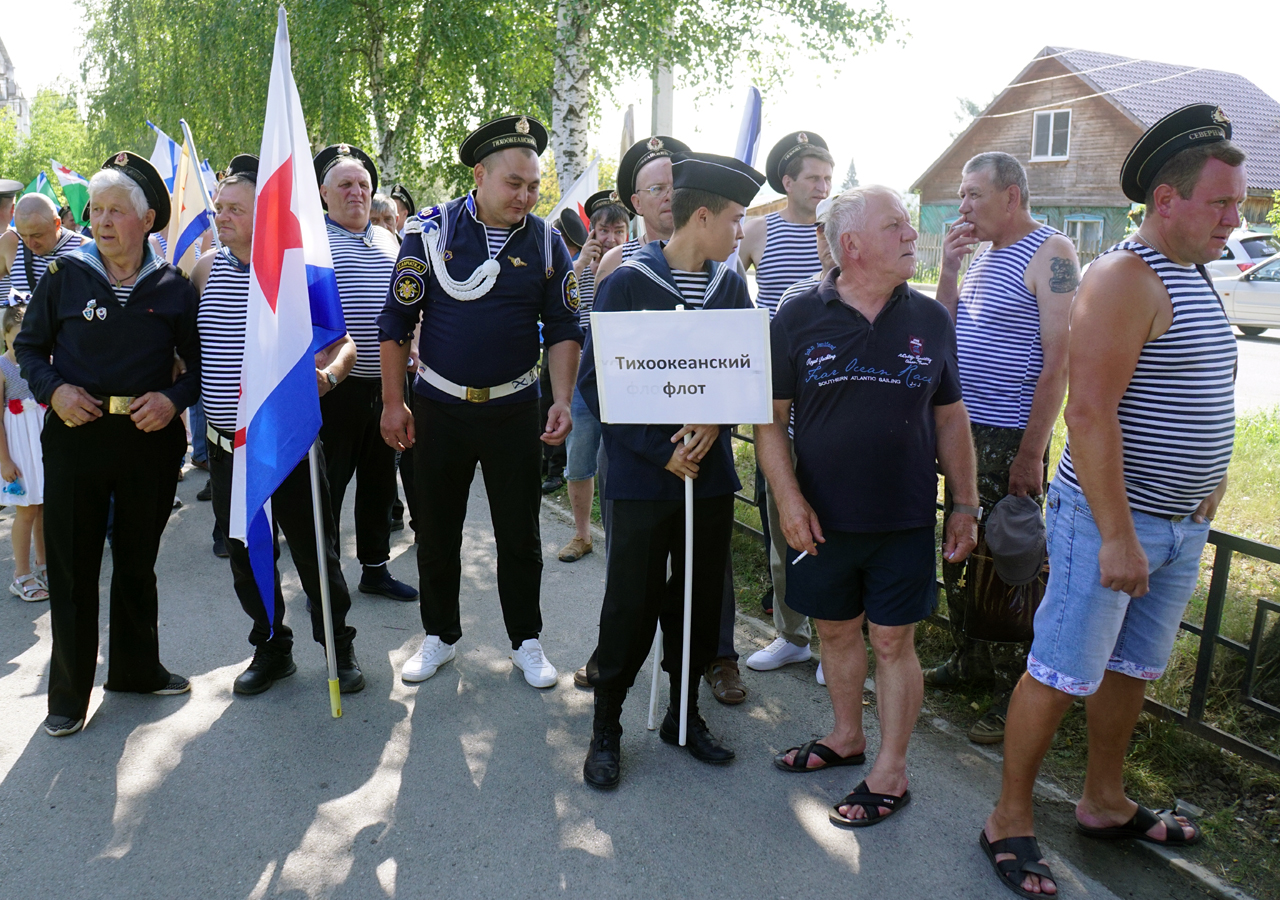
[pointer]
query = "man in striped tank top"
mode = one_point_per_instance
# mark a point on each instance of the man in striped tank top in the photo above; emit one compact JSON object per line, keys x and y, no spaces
{"x":1011,"y":335}
{"x":222,"y":279}
{"x":9,"y":190}
{"x":37,"y":239}
{"x":1151,"y":423}
{"x":363,"y":257}
{"x":783,"y":249}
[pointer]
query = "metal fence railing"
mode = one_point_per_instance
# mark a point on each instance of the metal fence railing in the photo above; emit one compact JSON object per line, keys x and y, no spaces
{"x":1192,"y":719}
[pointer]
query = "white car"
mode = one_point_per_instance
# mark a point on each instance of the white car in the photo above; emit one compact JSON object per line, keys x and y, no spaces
{"x":1244,"y":250}
{"x":1252,"y":299}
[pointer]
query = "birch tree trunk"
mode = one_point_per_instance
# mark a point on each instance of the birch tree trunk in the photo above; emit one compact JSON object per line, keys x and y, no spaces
{"x":571,"y":89}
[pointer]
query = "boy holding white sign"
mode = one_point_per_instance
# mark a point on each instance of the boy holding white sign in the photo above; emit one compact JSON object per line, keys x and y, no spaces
{"x":648,"y":464}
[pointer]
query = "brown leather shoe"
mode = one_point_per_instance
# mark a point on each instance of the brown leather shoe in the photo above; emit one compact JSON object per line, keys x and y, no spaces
{"x":580,"y":678}
{"x":574,"y":550}
{"x":726,"y":681}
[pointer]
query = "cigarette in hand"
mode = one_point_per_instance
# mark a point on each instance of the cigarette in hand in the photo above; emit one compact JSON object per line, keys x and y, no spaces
{"x":802,"y":555}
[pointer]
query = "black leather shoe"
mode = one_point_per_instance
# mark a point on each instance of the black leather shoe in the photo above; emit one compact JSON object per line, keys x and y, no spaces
{"x":552,"y":484}
{"x":702,"y":744}
{"x":377,"y":580}
{"x":350,"y":678}
{"x":603,"y":768}
{"x":220,"y":547}
{"x":206,"y":492}
{"x":267,"y":668}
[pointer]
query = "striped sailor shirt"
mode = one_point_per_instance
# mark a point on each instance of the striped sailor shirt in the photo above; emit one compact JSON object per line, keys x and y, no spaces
{"x":224,"y":308}
{"x":362,"y":263}
{"x":790,"y":255}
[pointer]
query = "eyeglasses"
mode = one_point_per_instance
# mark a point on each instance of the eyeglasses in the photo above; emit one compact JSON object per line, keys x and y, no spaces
{"x":658,"y":191}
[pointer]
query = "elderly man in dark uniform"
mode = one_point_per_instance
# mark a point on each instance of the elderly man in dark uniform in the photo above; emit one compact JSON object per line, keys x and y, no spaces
{"x":649,"y":465}
{"x":363,"y":256}
{"x":98,"y":346}
{"x":480,"y":272}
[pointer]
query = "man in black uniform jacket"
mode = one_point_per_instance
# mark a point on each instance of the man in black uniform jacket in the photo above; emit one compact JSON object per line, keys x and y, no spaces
{"x":98,"y":346}
{"x":648,"y":463}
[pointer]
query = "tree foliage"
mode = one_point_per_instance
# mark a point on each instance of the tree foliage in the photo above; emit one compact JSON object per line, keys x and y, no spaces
{"x":57,"y":132}
{"x":407,"y":79}
{"x":851,"y":177}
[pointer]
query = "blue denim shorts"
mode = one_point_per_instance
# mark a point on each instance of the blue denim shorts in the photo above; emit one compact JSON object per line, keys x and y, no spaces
{"x":1083,"y":629}
{"x":584,"y":441}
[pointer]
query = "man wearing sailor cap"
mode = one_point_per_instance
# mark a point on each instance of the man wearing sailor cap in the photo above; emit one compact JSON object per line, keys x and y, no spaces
{"x":480,"y":273}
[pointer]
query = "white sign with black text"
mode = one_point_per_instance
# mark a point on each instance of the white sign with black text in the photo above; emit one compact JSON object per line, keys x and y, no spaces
{"x":708,"y":365}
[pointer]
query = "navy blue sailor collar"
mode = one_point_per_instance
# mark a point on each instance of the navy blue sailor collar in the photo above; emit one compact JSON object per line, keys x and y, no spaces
{"x":87,"y":256}
{"x":828,"y":293}
{"x":652,"y":262}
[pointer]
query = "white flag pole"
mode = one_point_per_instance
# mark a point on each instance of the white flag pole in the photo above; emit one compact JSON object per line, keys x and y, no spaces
{"x":688,"y":602}
{"x":322,"y":559}
{"x":653,"y":687}
{"x":204,"y":192}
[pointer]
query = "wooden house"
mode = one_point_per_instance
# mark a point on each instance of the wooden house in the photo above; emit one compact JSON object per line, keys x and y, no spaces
{"x":1071,"y":117}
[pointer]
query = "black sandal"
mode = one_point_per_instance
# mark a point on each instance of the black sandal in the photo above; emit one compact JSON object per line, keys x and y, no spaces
{"x":830,"y":758}
{"x":1143,"y":821}
{"x":1026,"y":861}
{"x":870,"y":803}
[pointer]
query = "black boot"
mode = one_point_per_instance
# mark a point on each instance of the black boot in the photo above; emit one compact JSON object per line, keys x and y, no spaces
{"x":268,"y":666}
{"x":350,"y":678}
{"x":603,"y":768}
{"x":700,"y":742}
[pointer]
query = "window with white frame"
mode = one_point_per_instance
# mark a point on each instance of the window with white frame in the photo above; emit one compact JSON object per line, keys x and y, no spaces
{"x":1051,"y":134}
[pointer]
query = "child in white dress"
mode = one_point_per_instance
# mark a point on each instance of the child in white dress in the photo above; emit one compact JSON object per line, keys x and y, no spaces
{"x":22,"y":467}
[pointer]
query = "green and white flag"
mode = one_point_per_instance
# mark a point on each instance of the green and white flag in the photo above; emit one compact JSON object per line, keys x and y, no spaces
{"x":75,"y":187}
{"x":40,"y":185}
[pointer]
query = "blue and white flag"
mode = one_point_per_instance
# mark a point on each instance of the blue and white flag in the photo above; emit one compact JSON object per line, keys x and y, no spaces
{"x":748,"y":146}
{"x":165,"y":156}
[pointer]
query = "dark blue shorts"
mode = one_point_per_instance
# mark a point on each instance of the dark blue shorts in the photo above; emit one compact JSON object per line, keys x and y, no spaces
{"x":889,"y":575}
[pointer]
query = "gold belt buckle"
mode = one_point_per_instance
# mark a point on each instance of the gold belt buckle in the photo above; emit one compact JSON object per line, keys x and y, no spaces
{"x":119,"y":406}
{"x":477,"y":395}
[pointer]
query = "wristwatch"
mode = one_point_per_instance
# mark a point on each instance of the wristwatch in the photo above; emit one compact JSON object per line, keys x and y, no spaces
{"x":975,"y":511}
{"x":333,"y":379}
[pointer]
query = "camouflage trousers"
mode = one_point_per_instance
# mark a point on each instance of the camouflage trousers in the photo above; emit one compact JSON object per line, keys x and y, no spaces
{"x":984,"y":661}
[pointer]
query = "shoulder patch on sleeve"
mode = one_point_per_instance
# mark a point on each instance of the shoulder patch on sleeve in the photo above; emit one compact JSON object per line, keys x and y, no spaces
{"x":408,"y":287}
{"x":413,"y":264}
{"x":569,"y":291}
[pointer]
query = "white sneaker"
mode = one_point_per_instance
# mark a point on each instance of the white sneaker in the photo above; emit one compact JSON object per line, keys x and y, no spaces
{"x":433,"y":654}
{"x":822,"y":680}
{"x":778,"y":654}
{"x":529,"y":659}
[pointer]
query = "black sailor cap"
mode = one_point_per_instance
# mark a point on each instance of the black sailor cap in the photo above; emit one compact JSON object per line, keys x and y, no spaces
{"x":501,"y":134}
{"x":723,"y":175}
{"x":1182,"y":129}
{"x":245,"y":164}
{"x":140,"y":170}
{"x":640,"y":154}
{"x":401,"y":193}
{"x":600,"y":199}
{"x":571,"y":227}
{"x":784,"y":151}
{"x":330,"y":156}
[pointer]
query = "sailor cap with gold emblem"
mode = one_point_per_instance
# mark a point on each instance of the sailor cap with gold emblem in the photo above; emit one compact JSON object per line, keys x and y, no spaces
{"x":330,"y":156}
{"x":1182,"y":129}
{"x":401,"y":193}
{"x":140,"y":170}
{"x":600,"y":199}
{"x":784,"y":151}
{"x":501,"y":134}
{"x":639,"y":155}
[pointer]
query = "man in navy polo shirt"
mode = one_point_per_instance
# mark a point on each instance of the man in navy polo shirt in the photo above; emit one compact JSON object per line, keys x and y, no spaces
{"x":869,"y":367}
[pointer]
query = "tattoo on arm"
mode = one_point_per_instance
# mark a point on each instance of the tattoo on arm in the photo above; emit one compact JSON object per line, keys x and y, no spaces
{"x":1063,"y":278}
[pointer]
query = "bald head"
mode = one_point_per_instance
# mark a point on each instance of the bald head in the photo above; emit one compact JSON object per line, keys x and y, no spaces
{"x":37,"y":223}
{"x":35,"y":208}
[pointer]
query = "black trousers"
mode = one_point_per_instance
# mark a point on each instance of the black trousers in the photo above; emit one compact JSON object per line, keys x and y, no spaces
{"x":353,"y":446}
{"x":638,"y":595}
{"x":292,"y":513}
{"x":554,"y":458}
{"x":83,"y":467}
{"x":451,"y":439}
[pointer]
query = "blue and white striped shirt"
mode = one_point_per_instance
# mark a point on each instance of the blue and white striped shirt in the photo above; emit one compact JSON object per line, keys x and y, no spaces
{"x":998,"y":334}
{"x":790,"y":255}
{"x":1177,"y":416}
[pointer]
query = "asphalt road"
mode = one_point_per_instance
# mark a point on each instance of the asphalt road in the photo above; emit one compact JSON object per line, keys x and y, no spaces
{"x":1258,"y":380}
{"x":468,"y":785}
